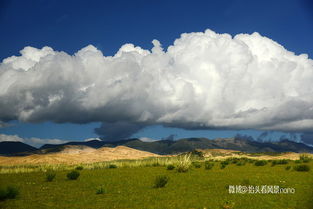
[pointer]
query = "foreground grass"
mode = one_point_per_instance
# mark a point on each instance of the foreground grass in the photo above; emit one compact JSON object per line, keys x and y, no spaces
{"x":132,"y":187}
{"x":151,"y":161}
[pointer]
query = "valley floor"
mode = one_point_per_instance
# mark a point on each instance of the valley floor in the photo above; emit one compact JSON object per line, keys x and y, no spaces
{"x":132,"y":187}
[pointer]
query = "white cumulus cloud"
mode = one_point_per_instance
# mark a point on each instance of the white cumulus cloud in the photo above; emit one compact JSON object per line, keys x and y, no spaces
{"x":92,"y":139}
{"x":204,"y":80}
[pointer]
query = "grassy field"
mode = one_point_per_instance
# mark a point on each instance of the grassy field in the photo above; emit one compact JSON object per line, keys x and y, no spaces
{"x":132,"y":187}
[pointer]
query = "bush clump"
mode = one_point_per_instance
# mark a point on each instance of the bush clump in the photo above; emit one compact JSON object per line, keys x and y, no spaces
{"x":73,"y":175}
{"x":50,"y":175}
{"x":170,"y":167}
{"x":155,"y":164}
{"x":160,"y":181}
{"x":196,"y":154}
{"x":251,"y":160}
{"x":302,"y":167}
{"x":283,"y":162}
{"x":10,"y":192}
{"x":260,"y":163}
{"x":100,"y":190}
{"x":3,"y":194}
{"x":224,"y":164}
{"x":233,"y":160}
{"x":240,"y":163}
{"x":208,"y":165}
{"x":112,"y":166}
{"x":305,"y":158}
{"x":280,"y":162}
{"x":79,"y":168}
{"x":196,"y":165}
{"x":182,"y":168}
{"x":288,"y":168}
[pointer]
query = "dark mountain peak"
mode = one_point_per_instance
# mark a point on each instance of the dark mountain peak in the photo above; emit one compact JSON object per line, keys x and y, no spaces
{"x":122,"y":141}
{"x":11,"y":147}
{"x":48,"y":146}
{"x":232,"y":140}
{"x":288,"y":141}
{"x":194,"y":139}
{"x":225,"y":139}
{"x":164,"y":141}
{"x":92,"y":143}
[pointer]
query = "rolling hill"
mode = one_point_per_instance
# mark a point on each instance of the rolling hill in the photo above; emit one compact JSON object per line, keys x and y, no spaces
{"x":76,"y":154}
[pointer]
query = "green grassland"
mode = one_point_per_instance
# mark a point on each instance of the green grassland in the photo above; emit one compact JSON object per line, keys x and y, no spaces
{"x":132,"y":187}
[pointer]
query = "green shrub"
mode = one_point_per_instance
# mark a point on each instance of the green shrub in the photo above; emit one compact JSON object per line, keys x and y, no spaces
{"x":100,"y":190}
{"x":298,"y":161}
{"x":233,"y":160}
{"x":197,"y":154}
{"x":182,"y":168}
{"x":10,"y":192}
{"x":240,"y":163}
{"x":208,"y":165}
{"x":245,"y":159}
{"x":224,"y":164}
{"x":50,"y":175}
{"x":112,"y":166}
{"x":305,"y":158}
{"x":251,"y":160}
{"x":160,"y":181}
{"x":155,"y":164}
{"x":170,"y":167}
{"x":196,"y":165}
{"x":260,"y":163}
{"x":288,"y":168}
{"x":73,"y":175}
{"x":3,"y":194}
{"x":274,"y":162}
{"x":302,"y":167}
{"x":283,"y":162}
{"x":79,"y":168}
{"x":280,"y":162}
{"x":227,"y":161}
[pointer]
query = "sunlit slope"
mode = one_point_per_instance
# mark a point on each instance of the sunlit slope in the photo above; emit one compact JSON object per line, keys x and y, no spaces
{"x":72,"y":154}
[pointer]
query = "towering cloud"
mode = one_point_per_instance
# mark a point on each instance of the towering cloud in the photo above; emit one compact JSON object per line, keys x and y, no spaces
{"x":203,"y":81}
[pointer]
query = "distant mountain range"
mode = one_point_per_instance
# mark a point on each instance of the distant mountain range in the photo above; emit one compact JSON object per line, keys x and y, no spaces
{"x":165,"y":146}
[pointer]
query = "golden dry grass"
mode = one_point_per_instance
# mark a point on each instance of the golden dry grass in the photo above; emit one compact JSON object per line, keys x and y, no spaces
{"x":73,"y":154}
{"x":221,"y":154}
{"x":78,"y":154}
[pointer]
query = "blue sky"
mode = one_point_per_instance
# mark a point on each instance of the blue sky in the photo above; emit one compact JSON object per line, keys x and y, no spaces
{"x":71,"y":25}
